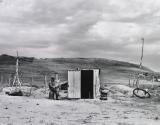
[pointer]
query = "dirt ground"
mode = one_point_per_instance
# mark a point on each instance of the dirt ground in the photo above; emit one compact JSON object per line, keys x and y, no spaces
{"x":114,"y":111}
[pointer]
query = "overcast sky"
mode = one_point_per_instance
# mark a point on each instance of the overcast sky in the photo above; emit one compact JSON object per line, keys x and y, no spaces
{"x":82,"y":28}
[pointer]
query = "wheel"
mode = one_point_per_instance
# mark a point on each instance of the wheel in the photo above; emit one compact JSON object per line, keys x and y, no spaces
{"x":141,"y":93}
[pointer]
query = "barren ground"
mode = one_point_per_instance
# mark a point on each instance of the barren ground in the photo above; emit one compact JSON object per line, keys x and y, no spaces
{"x":114,"y":111}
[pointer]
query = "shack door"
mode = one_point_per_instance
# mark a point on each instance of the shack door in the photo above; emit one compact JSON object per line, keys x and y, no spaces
{"x":74,"y":82}
{"x":87,"y":84}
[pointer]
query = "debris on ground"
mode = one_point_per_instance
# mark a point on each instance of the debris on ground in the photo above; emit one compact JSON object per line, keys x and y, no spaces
{"x":23,"y":90}
{"x":121,"y":90}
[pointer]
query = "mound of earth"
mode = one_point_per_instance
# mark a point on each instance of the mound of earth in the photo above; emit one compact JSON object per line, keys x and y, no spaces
{"x":123,"y":89}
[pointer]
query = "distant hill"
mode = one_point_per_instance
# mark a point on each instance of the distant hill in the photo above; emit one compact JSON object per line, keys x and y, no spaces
{"x":32,"y":69}
{"x":10,"y":60}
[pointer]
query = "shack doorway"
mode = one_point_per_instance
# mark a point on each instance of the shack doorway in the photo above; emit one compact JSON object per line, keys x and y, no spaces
{"x":87,"y":84}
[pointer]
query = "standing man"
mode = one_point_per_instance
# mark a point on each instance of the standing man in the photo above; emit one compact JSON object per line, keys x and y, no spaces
{"x":54,"y":89}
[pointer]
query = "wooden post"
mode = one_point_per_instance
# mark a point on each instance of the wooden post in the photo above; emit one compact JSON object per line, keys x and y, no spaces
{"x":140,"y":65}
{"x":153,"y":81}
{"x":9,"y":81}
{"x":129,"y":80}
{"x":57,"y":77}
{"x":32,"y":80}
{"x":31,"y":83}
{"x":1,"y":79}
{"x":45,"y":82}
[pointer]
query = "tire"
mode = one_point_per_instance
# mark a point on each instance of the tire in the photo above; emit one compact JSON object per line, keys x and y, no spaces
{"x":147,"y":94}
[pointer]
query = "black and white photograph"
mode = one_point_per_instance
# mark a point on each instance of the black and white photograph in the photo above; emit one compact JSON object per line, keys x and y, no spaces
{"x":79,"y":62}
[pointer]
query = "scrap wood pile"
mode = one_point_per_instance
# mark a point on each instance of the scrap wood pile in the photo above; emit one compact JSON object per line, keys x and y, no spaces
{"x":30,"y":91}
{"x":16,"y":91}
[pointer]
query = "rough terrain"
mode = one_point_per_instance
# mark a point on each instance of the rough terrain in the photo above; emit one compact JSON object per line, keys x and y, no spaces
{"x":115,"y":111}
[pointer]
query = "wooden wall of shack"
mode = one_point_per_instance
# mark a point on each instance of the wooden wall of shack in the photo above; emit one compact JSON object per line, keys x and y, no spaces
{"x":74,"y":82}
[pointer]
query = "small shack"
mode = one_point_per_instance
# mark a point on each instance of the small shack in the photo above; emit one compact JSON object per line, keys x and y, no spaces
{"x":83,"y":84}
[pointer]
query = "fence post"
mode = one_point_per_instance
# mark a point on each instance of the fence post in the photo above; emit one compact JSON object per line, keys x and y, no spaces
{"x":45,"y":82}
{"x":1,"y":79}
{"x":9,"y":81}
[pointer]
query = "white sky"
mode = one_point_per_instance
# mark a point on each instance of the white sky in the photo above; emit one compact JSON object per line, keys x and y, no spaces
{"x":82,"y":28}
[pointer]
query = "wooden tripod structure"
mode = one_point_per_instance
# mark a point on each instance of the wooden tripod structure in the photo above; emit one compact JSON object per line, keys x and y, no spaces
{"x":16,"y":80}
{"x":140,"y":65}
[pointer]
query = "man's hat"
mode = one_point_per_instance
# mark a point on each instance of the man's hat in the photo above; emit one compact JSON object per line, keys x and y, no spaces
{"x":52,"y":78}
